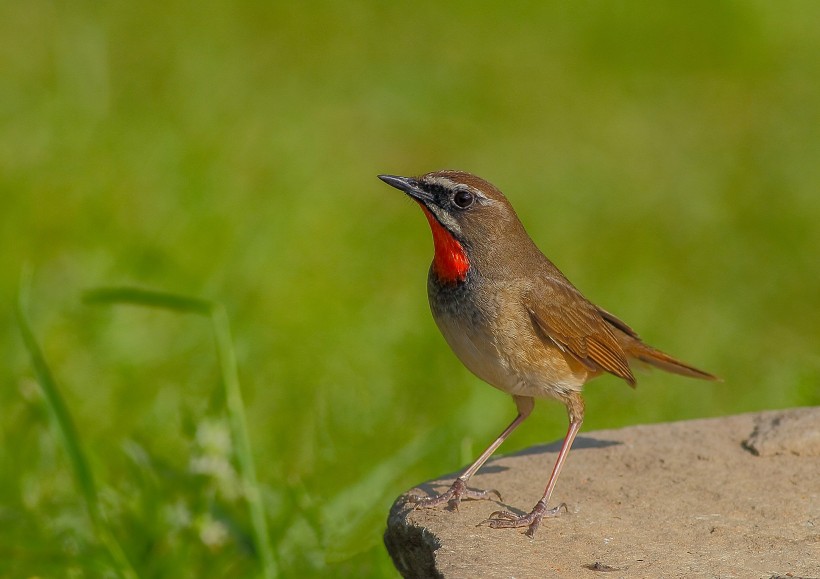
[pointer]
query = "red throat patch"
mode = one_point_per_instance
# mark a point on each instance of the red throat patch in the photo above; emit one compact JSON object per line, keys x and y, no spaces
{"x":450,"y":261}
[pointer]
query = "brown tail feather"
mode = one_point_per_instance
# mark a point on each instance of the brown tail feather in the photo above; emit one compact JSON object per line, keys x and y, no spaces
{"x":635,"y":348}
{"x":664,"y":361}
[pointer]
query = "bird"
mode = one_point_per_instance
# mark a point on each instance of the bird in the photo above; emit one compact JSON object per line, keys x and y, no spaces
{"x":515,"y":321}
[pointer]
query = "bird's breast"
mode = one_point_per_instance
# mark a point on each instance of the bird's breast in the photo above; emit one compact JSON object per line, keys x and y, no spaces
{"x":490,"y":331}
{"x":467,"y":328}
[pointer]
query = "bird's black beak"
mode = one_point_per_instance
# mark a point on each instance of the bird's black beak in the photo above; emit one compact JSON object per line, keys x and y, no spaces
{"x":409,"y":186}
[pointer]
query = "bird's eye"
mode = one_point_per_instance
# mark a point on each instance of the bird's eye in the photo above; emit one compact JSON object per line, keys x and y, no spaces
{"x":463,"y":199}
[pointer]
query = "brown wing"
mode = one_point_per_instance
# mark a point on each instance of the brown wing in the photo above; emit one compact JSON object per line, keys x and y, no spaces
{"x":577,"y":327}
{"x":635,"y":348}
{"x":618,"y":323}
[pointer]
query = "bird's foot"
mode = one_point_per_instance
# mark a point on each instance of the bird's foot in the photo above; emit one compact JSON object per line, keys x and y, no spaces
{"x":508,"y":520}
{"x":453,"y":496}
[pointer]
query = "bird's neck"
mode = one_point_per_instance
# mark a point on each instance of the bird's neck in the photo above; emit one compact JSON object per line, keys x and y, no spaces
{"x":450,"y":262}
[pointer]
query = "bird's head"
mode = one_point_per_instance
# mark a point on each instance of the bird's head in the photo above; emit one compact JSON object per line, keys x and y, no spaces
{"x":468,"y":216}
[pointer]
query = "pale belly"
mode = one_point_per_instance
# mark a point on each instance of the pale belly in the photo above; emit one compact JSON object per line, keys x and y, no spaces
{"x":511,"y":358}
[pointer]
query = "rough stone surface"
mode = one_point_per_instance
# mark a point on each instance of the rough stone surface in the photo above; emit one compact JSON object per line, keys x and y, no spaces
{"x":727,"y":497}
{"x":792,"y":432}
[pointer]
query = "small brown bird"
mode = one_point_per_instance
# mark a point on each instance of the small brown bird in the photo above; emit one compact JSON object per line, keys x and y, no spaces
{"x":514,"y":320}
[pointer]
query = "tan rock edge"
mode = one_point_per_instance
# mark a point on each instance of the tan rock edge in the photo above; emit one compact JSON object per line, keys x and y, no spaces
{"x":726,"y":497}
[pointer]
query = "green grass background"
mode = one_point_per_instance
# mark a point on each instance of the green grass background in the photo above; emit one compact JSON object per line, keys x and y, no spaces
{"x":665,"y":155}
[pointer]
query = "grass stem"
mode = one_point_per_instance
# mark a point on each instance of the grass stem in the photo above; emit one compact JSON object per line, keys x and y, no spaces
{"x":233,"y":394}
{"x":64,"y":425}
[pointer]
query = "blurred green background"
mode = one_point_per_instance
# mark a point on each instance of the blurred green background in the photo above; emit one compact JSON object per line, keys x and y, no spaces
{"x":665,"y":155}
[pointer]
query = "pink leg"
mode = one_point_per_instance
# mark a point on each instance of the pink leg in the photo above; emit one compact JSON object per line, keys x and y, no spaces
{"x":459,"y":488}
{"x":508,"y":520}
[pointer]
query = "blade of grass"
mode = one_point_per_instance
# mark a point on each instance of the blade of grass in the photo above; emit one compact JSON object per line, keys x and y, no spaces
{"x":350,"y":515}
{"x":148,"y":298}
{"x":71,"y":442}
{"x":236,"y":413}
{"x":233,"y":394}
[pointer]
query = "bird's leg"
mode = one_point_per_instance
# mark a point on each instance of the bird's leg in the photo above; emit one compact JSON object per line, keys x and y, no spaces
{"x":508,"y":520}
{"x":459,"y":489}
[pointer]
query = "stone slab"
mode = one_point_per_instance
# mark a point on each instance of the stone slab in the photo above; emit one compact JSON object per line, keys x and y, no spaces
{"x":726,"y":497}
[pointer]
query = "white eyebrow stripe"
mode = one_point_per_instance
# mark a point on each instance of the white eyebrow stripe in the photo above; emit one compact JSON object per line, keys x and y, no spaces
{"x":449,"y":184}
{"x":442,"y":182}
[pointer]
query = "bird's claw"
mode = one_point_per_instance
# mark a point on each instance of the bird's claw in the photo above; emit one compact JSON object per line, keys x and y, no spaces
{"x":453,"y":496}
{"x":510,"y":520}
